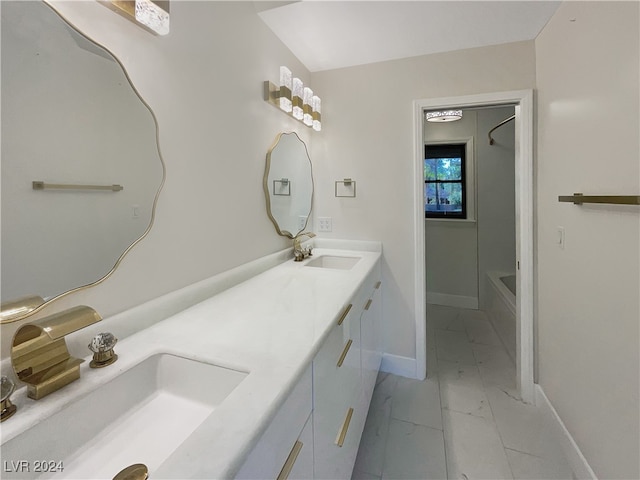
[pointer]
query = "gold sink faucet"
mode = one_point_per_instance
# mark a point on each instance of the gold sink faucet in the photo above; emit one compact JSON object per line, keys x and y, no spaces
{"x":39,"y":353}
{"x":299,"y":252}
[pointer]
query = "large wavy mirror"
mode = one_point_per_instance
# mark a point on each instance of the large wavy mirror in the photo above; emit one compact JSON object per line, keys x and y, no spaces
{"x":288,"y":184}
{"x":71,"y":120}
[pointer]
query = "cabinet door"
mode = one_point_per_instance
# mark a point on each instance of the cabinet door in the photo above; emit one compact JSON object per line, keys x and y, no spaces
{"x":300,"y":461}
{"x":370,"y":327}
{"x":337,"y":387}
{"x":270,"y":454}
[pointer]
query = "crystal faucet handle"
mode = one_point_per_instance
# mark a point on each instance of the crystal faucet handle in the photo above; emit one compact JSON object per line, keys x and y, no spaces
{"x":102,"y":347}
{"x":7,"y":387}
{"x":6,"y":407}
{"x":103,"y":342}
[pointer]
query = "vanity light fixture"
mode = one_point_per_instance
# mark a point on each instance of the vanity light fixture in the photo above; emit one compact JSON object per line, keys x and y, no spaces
{"x":153,"y":15}
{"x":444,"y":116}
{"x":307,"y":108}
{"x":315,"y":114}
{"x":285,"y":90}
{"x":298,"y":92}
{"x":292,"y":97}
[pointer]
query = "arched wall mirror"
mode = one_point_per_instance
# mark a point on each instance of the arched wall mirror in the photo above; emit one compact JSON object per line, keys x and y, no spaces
{"x":288,"y":184}
{"x":71,"y":119}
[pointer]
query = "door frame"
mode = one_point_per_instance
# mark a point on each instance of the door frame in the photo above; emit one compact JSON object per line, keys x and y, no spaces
{"x":522,"y":100}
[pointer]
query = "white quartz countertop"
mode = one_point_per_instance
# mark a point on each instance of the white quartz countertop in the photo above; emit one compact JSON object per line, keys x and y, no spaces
{"x":270,"y":326}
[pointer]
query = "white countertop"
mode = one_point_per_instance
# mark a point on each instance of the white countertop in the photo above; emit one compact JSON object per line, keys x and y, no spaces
{"x":270,"y":326}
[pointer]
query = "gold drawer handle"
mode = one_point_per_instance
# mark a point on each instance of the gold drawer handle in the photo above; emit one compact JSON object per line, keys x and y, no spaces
{"x":345,"y":427}
{"x":344,"y":352}
{"x":378,"y":285}
{"x":291,"y":460}
{"x":344,"y":314}
{"x":366,"y":307}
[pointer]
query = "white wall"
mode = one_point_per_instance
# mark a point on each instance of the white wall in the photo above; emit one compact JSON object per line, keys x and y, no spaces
{"x":452,"y":245}
{"x":588,"y":312}
{"x":496,"y":197}
{"x":368,"y":135}
{"x":204,"y":81}
{"x":459,"y":253}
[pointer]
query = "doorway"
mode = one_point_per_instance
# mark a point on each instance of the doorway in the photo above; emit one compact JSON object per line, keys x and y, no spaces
{"x":522,"y":102}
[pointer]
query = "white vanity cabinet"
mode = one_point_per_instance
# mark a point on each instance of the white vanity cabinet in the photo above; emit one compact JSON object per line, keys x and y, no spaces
{"x":342,"y":390}
{"x":316,"y":432}
{"x":371,"y":327}
{"x":285,"y":449}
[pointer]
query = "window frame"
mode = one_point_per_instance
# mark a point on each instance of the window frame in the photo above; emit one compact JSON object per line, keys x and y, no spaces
{"x":444,"y":150}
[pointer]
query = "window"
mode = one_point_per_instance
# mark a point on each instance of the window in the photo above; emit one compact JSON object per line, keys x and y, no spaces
{"x":444,"y":181}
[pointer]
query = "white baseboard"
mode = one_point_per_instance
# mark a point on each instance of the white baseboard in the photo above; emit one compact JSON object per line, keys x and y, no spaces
{"x":397,"y":365}
{"x":577,"y":461}
{"x":452,"y":300}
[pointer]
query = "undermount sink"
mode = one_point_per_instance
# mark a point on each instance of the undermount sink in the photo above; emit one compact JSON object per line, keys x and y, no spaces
{"x":141,"y":416}
{"x":334,"y":261}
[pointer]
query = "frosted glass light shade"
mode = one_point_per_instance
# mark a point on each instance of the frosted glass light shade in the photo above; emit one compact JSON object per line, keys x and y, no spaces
{"x":444,"y":116}
{"x":285,"y":89}
{"x":153,"y":16}
{"x":315,"y":114}
{"x":297,"y":98}
{"x":307,"y":107}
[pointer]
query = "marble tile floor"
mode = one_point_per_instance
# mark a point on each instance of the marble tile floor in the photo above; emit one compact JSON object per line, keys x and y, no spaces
{"x":465,"y":420}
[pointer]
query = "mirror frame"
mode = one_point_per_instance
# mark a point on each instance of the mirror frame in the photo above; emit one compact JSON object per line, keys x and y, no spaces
{"x":16,"y":310}
{"x":265,"y":185}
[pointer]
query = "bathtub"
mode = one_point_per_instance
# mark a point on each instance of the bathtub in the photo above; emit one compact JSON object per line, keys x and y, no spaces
{"x":501,"y":301}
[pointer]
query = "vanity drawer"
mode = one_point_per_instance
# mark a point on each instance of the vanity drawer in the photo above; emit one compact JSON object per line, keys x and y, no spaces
{"x":272,"y":451}
{"x":337,"y":386}
{"x":336,"y":366}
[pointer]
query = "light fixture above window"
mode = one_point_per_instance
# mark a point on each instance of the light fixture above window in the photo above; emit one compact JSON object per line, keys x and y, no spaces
{"x":444,"y":116}
{"x":153,"y":15}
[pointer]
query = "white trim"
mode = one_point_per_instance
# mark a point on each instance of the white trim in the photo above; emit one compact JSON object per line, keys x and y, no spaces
{"x":577,"y":461}
{"x":523,"y":101}
{"x":397,"y":365}
{"x":420,"y":280}
{"x":449,"y":300}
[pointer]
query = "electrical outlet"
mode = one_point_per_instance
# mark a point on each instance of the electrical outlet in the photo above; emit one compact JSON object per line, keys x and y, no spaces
{"x":324,"y":224}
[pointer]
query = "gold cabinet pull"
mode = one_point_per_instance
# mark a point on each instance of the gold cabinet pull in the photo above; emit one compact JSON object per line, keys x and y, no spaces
{"x":344,"y":314}
{"x":366,"y":307}
{"x":344,"y":352}
{"x":345,"y":427}
{"x":378,"y":285}
{"x":291,"y":460}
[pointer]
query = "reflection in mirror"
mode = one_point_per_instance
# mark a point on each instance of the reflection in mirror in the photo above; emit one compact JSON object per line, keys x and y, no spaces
{"x":288,"y":184}
{"x":69,"y":116}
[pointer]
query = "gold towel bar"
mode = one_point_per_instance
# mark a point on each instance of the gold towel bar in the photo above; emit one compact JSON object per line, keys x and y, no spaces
{"x":579,"y":199}
{"x":38,"y":185}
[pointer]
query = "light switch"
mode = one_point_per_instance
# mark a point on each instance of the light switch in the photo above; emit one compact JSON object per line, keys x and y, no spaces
{"x":560,"y":237}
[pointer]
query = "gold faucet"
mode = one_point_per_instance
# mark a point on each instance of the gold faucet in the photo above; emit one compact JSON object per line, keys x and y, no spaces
{"x":300,"y":253}
{"x":39,"y":353}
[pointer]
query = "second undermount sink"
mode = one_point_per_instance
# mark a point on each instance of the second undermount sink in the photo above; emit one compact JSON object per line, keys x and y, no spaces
{"x":141,"y":416}
{"x":334,"y":261}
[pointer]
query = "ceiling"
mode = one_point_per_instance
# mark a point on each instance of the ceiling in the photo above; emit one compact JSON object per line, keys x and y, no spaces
{"x":327,"y":34}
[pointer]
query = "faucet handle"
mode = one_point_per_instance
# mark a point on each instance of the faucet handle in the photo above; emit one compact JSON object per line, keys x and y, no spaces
{"x":6,"y":407}
{"x":102,"y":347}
